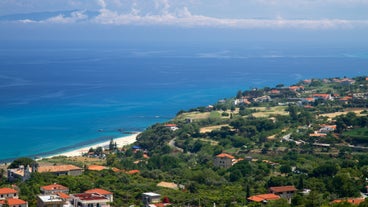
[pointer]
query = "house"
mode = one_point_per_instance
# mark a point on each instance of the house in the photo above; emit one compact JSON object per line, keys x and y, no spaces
{"x":89,"y":200}
{"x":150,"y":197}
{"x":132,"y":172}
{"x":262,"y":99}
{"x":61,"y":170}
{"x":296,"y":88}
{"x":172,"y":127}
{"x":308,"y":99}
{"x":14,"y":202}
{"x":102,"y":192}
{"x":264,"y":198}
{"x":224,"y":160}
{"x":308,"y":81}
{"x":323,"y":96}
{"x":327,"y":128}
{"x":54,"y":189}
{"x":8,"y":193}
{"x":275,"y":91}
{"x":24,"y":173}
{"x":52,"y":201}
{"x":285,"y":192}
{"x":21,"y":173}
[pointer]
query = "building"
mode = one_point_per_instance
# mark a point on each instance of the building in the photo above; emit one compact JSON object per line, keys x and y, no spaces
{"x":323,"y":96}
{"x":89,"y":200}
{"x":224,"y":160}
{"x":61,"y":170}
{"x":172,"y":127}
{"x":13,"y":202}
{"x":8,"y":193}
{"x":150,"y":197}
{"x":102,"y":192}
{"x":285,"y":192}
{"x":21,"y":173}
{"x":263,"y":198}
{"x":52,"y":201}
{"x":54,"y":189}
{"x":24,"y":173}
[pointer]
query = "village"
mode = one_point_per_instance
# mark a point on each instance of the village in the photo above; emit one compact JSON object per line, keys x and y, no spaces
{"x":298,"y":145}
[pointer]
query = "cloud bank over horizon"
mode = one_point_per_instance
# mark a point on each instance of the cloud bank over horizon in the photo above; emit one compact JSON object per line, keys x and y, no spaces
{"x":276,"y":14}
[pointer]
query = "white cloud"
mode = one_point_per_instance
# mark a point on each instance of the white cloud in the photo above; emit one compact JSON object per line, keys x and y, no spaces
{"x":167,"y":12}
{"x":185,"y":18}
{"x":74,"y":17}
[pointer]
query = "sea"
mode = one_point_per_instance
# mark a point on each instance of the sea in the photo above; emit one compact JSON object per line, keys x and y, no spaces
{"x":58,"y":96}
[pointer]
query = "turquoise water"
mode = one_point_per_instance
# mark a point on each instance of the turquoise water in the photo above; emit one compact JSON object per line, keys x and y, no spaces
{"x":54,"y":98}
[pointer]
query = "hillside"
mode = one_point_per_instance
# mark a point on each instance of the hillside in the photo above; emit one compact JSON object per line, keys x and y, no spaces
{"x":312,"y":136}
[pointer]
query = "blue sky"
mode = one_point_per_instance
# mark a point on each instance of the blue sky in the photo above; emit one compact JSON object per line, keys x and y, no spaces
{"x":338,"y":17}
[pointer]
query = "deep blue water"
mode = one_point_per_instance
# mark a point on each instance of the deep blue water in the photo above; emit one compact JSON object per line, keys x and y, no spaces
{"x":57,"y":97}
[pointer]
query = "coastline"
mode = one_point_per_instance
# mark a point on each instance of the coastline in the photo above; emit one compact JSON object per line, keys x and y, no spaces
{"x":120,"y":142}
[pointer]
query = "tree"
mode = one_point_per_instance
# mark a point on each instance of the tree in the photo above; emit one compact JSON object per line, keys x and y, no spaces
{"x":112,"y":145}
{"x":285,"y":169}
{"x":343,"y":185}
{"x":239,"y":94}
{"x":99,"y":151}
{"x":314,"y":199}
{"x":21,"y":161}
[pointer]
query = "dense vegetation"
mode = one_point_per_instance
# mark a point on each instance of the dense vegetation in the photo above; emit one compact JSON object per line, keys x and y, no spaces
{"x":274,"y":132}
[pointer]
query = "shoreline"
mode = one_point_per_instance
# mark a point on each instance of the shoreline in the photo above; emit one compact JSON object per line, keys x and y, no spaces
{"x":78,"y":151}
{"x":120,"y":142}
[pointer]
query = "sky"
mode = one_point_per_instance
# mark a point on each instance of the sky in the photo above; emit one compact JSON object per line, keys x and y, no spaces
{"x":184,"y":19}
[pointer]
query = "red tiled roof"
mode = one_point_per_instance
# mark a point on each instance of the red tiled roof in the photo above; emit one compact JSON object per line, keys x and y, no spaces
{"x":309,"y":99}
{"x":13,"y":201}
{"x":223,"y":155}
{"x":63,"y":195}
{"x":54,"y":187}
{"x":89,"y":196}
{"x":329,"y":126}
{"x":281,"y":189}
{"x":170,"y":125}
{"x":356,"y":201}
{"x":7,"y":191}
{"x":294,"y":88}
{"x":346,"y":98}
{"x":131,"y":172}
{"x":264,"y":197}
{"x":59,"y":168}
{"x":321,"y":95}
{"x":99,"y":191}
{"x":115,"y":169}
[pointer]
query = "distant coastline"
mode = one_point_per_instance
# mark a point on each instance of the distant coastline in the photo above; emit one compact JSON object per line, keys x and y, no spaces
{"x":80,"y":148}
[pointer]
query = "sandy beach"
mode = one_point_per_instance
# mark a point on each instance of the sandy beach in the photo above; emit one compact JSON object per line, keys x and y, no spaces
{"x":120,"y":141}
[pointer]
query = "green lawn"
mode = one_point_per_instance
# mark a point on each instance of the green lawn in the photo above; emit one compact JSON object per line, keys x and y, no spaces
{"x":358,"y":135}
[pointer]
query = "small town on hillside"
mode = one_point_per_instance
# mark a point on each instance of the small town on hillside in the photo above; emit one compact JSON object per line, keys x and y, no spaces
{"x":299,"y":145}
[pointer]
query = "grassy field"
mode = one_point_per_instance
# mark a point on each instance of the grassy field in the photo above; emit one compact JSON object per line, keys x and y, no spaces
{"x":211,"y":128}
{"x":268,"y":111}
{"x":359,"y":135}
{"x":333,"y":115}
{"x":79,"y":161}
